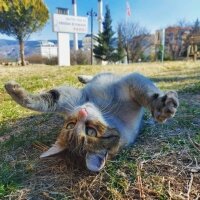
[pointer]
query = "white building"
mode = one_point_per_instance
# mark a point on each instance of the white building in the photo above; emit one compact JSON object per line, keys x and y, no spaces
{"x":86,"y":42}
{"x":48,"y":49}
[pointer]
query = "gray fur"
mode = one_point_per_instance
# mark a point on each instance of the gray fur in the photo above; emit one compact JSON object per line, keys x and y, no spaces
{"x":120,"y":99}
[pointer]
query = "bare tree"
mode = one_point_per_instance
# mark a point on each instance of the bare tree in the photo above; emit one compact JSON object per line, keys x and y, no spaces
{"x":177,"y":38}
{"x":183,"y":23}
{"x":129,"y":31}
{"x":141,"y":45}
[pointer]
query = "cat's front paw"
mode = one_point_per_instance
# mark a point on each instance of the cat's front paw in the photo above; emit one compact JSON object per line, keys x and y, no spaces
{"x":16,"y":92}
{"x":165,"y":107}
{"x":13,"y":88}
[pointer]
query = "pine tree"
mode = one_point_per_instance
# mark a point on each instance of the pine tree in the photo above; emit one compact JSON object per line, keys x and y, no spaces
{"x":20,"y":18}
{"x":120,"y":47}
{"x":104,"y":50}
{"x":196,"y":27}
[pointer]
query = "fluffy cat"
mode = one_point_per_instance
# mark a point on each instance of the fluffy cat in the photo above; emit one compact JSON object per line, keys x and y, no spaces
{"x":102,"y":117}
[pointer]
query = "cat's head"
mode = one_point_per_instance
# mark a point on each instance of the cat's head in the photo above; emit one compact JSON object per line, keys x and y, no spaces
{"x":85,"y":131}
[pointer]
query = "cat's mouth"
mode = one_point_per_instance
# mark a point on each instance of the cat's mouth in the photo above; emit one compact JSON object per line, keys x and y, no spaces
{"x":78,"y":145}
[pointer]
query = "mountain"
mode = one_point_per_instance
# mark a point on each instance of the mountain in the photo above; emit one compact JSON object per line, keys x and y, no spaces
{"x":10,"y":48}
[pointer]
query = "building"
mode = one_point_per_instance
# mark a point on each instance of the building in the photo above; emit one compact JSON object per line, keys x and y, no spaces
{"x":176,"y":39}
{"x":48,"y":49}
{"x":86,"y":42}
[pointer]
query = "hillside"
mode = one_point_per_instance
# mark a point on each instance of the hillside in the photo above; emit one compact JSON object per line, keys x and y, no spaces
{"x":10,"y":48}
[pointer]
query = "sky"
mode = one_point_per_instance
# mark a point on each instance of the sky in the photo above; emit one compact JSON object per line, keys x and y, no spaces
{"x":152,"y":14}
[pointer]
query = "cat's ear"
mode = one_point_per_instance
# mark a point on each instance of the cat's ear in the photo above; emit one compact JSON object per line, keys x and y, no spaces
{"x":96,"y":161}
{"x":55,"y":149}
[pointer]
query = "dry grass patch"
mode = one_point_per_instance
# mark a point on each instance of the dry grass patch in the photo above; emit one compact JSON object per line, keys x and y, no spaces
{"x":164,"y":163}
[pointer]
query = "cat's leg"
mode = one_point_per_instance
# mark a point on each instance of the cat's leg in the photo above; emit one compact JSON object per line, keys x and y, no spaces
{"x":146,"y":93}
{"x":61,"y":99}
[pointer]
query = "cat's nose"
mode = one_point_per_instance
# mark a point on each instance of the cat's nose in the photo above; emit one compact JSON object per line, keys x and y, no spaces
{"x":82,"y":114}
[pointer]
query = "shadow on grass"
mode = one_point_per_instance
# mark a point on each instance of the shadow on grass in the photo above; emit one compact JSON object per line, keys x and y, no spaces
{"x":17,"y":152}
{"x":65,"y":177}
{"x":24,"y":174}
{"x":175,"y":79}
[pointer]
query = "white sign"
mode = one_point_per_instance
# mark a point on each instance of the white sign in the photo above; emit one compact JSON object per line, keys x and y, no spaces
{"x":70,"y":24}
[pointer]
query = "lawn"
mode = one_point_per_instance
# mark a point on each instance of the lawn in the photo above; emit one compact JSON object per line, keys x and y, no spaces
{"x":164,"y":163}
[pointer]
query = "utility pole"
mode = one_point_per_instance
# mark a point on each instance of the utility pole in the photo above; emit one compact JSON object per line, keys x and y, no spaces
{"x":91,"y":14}
{"x":74,"y":5}
{"x":163,"y":44}
{"x":100,"y":15}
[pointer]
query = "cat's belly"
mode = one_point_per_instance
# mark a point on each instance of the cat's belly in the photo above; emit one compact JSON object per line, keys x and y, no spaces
{"x":131,"y":129}
{"x":128,"y":126}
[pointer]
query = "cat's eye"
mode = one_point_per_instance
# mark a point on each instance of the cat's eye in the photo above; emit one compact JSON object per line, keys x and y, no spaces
{"x":91,"y":131}
{"x":71,"y":125}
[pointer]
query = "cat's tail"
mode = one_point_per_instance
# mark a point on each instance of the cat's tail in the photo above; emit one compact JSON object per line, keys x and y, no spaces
{"x":56,"y":100}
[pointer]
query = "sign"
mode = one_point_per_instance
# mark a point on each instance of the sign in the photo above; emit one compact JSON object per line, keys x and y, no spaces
{"x":70,"y":24}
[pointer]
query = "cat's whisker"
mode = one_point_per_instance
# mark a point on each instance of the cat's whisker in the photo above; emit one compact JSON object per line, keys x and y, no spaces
{"x":66,"y":109}
{"x":114,"y":108}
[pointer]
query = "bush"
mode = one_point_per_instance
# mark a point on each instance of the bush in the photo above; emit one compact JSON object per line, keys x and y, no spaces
{"x":35,"y":59}
{"x":38,"y":59}
{"x":80,"y":57}
{"x":51,"y":61}
{"x":4,"y":60}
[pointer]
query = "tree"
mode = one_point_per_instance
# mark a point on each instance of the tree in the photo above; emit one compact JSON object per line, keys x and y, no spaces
{"x":104,"y":49}
{"x":196,"y":33}
{"x":120,"y":47}
{"x":178,"y":39}
{"x":183,"y":23}
{"x":131,"y":31}
{"x":20,"y":18}
{"x":141,"y":45}
{"x":196,"y":27}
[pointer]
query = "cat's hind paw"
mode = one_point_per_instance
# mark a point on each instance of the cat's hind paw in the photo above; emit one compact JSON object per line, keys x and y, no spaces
{"x":165,"y":107}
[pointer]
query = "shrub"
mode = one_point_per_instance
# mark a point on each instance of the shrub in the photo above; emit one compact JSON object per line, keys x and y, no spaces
{"x":80,"y":57}
{"x":51,"y":61}
{"x":38,"y":59}
{"x":35,"y":59}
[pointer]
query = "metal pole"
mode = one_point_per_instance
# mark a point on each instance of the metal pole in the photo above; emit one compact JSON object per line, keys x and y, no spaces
{"x":92,"y":14}
{"x":100,"y":17}
{"x":74,"y":4}
{"x":163,"y":44}
{"x":91,"y":37}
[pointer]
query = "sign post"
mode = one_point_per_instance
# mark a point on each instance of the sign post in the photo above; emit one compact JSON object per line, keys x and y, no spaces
{"x":70,"y":24}
{"x":63,"y":25}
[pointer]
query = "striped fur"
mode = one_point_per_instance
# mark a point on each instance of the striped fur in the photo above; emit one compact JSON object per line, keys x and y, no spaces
{"x":114,"y":106}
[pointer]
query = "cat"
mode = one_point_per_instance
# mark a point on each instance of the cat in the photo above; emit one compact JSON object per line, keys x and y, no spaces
{"x":102,"y":117}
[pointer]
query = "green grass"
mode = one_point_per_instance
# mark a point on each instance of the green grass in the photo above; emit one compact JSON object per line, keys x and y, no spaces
{"x":164,"y":151}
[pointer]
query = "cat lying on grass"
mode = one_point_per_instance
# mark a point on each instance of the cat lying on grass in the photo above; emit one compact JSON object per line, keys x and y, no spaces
{"x":102,"y":117}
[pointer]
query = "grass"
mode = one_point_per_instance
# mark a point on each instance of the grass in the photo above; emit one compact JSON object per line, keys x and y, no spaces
{"x":164,"y":163}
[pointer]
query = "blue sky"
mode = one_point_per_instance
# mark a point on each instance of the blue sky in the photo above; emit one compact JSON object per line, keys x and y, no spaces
{"x":153,"y":14}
